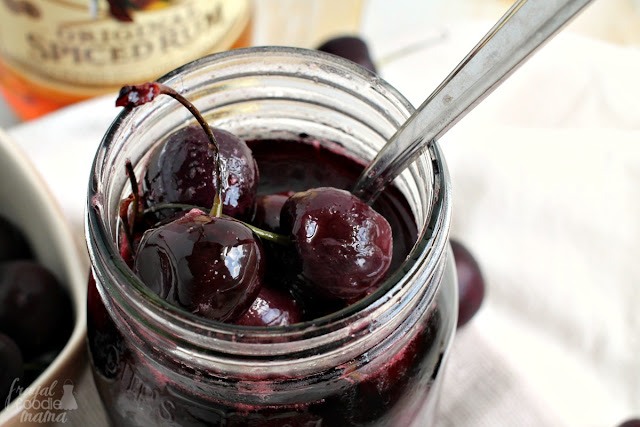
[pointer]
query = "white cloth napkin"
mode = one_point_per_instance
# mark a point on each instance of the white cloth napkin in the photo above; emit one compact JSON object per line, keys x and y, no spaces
{"x":546,"y":178}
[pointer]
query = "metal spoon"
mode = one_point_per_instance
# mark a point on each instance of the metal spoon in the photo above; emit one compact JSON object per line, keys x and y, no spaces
{"x":511,"y":41}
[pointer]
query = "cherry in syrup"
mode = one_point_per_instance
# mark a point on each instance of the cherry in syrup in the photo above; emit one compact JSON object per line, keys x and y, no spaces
{"x":345,"y":247}
{"x":182,"y":171}
{"x":272,"y":307}
{"x":210,"y":265}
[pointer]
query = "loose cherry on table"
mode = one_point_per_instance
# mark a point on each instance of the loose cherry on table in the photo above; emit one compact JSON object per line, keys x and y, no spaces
{"x":471,"y":286}
{"x":350,"y":47}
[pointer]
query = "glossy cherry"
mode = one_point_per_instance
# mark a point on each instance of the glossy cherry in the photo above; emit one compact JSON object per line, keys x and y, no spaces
{"x":35,"y":310}
{"x":350,"y":47}
{"x":182,"y":171}
{"x":186,"y":168}
{"x":272,"y":307}
{"x":345,"y":247}
{"x":13,"y":242}
{"x":210,"y":266}
{"x":471,"y":285}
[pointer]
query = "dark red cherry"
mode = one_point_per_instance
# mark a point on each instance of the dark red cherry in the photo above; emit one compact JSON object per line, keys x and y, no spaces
{"x":183,"y":171}
{"x":272,"y":307}
{"x":268,"y":207}
{"x":11,"y":370}
{"x":210,"y":266}
{"x":35,"y":310}
{"x":13,"y":242}
{"x":635,"y":422}
{"x":470,"y":282}
{"x":345,"y":247}
{"x":350,"y":47}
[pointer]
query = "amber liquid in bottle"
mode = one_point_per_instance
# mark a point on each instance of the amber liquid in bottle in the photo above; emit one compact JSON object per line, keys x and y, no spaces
{"x":57,"y":52}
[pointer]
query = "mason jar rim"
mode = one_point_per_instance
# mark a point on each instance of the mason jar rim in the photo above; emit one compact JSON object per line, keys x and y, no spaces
{"x":157,"y":313}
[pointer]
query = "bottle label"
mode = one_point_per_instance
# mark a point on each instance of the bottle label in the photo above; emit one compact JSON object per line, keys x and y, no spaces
{"x":62,"y":42}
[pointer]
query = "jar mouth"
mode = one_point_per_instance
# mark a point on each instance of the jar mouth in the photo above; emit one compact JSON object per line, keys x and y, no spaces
{"x":189,"y":330}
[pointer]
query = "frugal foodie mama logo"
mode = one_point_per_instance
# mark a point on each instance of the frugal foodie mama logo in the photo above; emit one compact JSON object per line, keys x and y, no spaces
{"x":46,"y":404}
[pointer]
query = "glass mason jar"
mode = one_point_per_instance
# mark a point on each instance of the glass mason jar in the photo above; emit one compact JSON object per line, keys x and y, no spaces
{"x":376,"y":362}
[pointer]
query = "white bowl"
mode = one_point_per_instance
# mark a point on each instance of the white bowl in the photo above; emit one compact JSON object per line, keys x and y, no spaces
{"x":26,"y":201}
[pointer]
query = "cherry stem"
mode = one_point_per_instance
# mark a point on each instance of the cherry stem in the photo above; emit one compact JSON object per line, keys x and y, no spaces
{"x":134,"y":197}
{"x":136,"y":194}
{"x":136,"y":95}
{"x":263,"y":234}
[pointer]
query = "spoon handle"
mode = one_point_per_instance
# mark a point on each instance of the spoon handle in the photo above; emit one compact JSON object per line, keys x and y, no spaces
{"x":512,"y":40}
